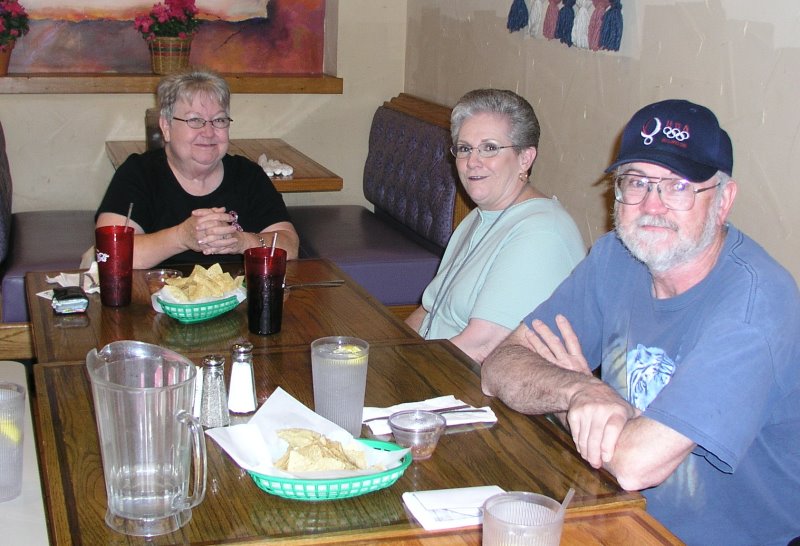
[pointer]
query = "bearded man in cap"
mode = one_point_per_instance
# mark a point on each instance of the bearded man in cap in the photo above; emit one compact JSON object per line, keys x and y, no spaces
{"x":696,"y":331}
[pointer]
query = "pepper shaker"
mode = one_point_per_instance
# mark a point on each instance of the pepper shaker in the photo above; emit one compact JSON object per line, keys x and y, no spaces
{"x":214,"y":402}
{"x":242,"y":392}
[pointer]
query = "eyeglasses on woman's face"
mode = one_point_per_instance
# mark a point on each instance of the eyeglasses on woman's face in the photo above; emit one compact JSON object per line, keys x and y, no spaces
{"x":199,"y":123}
{"x":486,"y":149}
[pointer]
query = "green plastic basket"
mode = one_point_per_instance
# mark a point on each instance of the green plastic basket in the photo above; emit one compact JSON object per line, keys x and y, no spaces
{"x":341,"y":488}
{"x":189,"y":313}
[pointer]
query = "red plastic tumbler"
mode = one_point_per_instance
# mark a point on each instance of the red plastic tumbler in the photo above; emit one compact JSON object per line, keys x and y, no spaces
{"x":265,"y":271}
{"x":114,"y":252}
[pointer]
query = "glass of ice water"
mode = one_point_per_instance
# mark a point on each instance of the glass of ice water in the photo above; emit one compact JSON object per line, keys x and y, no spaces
{"x":339,"y":369}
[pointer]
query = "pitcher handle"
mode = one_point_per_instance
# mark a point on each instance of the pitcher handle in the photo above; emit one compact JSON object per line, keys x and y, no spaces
{"x":198,"y":460}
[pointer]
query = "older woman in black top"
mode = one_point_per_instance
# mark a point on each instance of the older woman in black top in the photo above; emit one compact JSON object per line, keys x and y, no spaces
{"x":193,"y":203}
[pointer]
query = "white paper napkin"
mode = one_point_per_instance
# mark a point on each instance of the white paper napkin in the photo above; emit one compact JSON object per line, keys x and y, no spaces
{"x":273,"y":167}
{"x":255,"y":445}
{"x":449,"y":508}
{"x":380,"y":427}
{"x":91,"y":281}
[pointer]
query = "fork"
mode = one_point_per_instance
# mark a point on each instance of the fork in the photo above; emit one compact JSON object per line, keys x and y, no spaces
{"x":463,"y":408}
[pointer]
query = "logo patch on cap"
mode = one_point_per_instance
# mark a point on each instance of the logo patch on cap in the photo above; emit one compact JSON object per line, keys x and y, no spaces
{"x":673,"y":131}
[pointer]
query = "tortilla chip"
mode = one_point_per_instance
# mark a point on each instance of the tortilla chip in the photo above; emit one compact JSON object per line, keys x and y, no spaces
{"x":203,"y":284}
{"x":310,"y":451}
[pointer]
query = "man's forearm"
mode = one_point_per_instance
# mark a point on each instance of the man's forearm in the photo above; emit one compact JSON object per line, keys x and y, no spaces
{"x":527,"y":382}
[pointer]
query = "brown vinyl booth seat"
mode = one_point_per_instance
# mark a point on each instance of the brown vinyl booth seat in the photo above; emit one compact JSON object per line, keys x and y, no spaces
{"x":35,"y":241}
{"x":410,"y":179}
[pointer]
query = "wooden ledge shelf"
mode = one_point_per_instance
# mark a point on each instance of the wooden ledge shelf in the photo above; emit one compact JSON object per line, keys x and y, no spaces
{"x":71,"y":83}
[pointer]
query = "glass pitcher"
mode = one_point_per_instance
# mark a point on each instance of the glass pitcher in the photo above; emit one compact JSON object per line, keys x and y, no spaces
{"x":149,"y":440}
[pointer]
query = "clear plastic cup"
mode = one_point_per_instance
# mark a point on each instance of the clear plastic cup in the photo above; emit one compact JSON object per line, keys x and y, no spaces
{"x":12,"y":416}
{"x":157,"y":278}
{"x":419,"y":430}
{"x":522,"y":519}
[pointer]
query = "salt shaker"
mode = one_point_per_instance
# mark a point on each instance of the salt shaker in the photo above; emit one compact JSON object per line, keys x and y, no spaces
{"x":214,"y":402}
{"x":242,"y":392}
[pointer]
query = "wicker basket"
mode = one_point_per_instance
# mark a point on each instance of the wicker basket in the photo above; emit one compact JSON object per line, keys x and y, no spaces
{"x":170,"y":54}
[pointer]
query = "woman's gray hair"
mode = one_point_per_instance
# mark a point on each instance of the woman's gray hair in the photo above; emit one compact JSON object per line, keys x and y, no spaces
{"x":187,"y":85}
{"x":525,"y":128}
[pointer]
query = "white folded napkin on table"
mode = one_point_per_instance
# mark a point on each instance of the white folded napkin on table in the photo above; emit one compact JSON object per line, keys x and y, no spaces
{"x":273,"y":167}
{"x":90,"y":285}
{"x":461,"y":416}
{"x":449,"y":508}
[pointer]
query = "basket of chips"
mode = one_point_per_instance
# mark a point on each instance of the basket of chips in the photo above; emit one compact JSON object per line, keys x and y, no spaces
{"x":337,"y":488}
{"x":189,"y":313}
{"x":203,"y":295}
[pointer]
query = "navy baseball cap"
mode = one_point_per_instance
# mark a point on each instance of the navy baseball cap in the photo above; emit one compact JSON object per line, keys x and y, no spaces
{"x":680,"y":136}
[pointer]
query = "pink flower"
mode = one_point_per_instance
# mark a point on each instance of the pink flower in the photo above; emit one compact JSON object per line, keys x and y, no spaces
{"x":13,"y":23}
{"x":170,"y":18}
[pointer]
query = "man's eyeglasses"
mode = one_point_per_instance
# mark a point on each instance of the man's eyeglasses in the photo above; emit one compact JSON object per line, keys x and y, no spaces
{"x":675,"y":193}
{"x":199,"y":123}
{"x":487,"y":149}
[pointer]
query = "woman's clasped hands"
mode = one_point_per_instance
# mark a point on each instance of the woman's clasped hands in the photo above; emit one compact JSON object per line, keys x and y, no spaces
{"x":212,"y":231}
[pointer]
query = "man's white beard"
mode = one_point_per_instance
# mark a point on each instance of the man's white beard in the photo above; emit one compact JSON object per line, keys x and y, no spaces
{"x":643,"y":245}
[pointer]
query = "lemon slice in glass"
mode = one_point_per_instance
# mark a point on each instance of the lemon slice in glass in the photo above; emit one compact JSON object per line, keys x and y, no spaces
{"x":10,"y":431}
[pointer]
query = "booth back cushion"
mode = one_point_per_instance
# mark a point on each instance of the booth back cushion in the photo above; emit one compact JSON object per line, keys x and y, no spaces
{"x":5,"y":198}
{"x":409,"y":174}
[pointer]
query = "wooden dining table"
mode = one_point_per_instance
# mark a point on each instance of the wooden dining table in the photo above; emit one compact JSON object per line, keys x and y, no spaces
{"x":516,"y":453}
{"x":529,"y":453}
{"x":308,"y":175}
{"x":309,"y":313}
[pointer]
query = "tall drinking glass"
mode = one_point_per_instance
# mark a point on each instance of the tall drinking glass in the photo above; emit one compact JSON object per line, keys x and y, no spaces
{"x":114,"y":252}
{"x":339,"y":370}
{"x":265,"y":271}
{"x":12,"y":415}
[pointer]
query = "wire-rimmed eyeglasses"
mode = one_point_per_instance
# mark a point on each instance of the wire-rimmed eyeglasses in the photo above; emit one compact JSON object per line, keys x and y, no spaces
{"x":199,"y":123}
{"x":675,"y":193}
{"x":486,"y":149}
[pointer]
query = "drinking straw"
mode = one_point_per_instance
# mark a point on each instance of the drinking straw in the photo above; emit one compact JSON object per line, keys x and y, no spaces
{"x":274,"y":241}
{"x":128,"y":218}
{"x":567,"y":499}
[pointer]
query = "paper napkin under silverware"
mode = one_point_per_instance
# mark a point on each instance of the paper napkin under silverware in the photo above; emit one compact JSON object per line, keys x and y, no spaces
{"x":452,"y":409}
{"x":449,"y":508}
{"x":88,"y":280}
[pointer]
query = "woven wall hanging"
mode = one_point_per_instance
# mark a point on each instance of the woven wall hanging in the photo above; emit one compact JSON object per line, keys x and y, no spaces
{"x":588,"y":24}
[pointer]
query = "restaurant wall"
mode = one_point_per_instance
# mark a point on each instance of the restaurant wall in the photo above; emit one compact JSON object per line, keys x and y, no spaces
{"x":56,"y":142}
{"x":740,"y":58}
